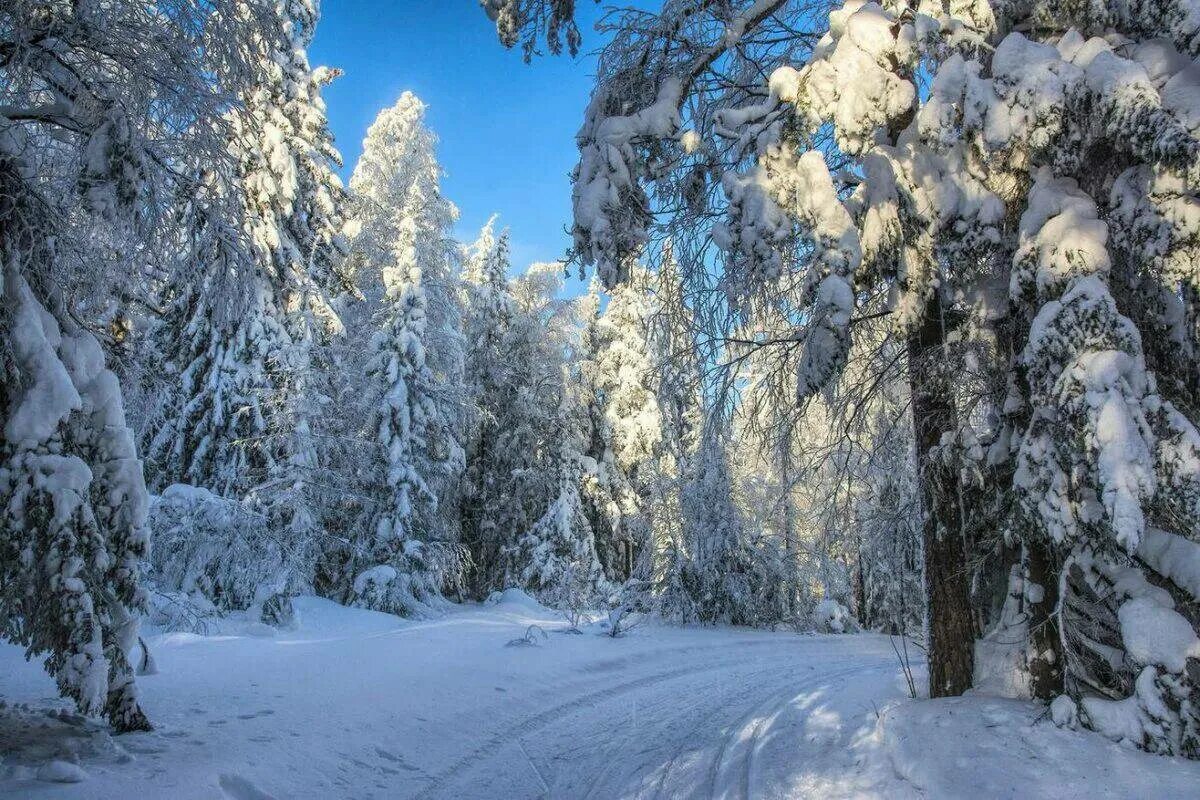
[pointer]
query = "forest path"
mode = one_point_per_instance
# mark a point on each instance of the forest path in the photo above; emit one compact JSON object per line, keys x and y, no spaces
{"x":751,"y":718}
{"x":356,"y":704}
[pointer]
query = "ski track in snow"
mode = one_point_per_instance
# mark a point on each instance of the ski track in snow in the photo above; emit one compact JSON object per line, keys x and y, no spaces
{"x":355,"y":704}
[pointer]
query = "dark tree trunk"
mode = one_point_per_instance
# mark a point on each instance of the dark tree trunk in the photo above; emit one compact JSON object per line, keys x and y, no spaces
{"x":1045,"y":646}
{"x":947,"y":584}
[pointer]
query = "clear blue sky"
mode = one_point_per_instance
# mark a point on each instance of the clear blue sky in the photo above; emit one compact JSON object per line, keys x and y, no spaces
{"x":507,"y":128}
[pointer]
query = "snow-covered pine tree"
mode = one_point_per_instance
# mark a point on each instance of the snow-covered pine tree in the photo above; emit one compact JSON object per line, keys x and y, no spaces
{"x":221,"y":340}
{"x":556,"y":559}
{"x":730,"y":580}
{"x":396,"y":180}
{"x":517,"y":336}
{"x":404,"y":265}
{"x":239,"y":422}
{"x":526,"y":21}
{"x":605,"y":491}
{"x":673,"y":346}
{"x":625,"y":379}
{"x":296,"y":207}
{"x":90,"y":158}
{"x":489,"y":310}
{"x":526,"y":454}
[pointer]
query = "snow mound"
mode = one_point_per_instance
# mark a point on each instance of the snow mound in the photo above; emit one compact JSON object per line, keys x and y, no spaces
{"x":60,"y":772}
{"x":316,"y":615}
{"x":991,"y":747}
{"x":516,"y":599}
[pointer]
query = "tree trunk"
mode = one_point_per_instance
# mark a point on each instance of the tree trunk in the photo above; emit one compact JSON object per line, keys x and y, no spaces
{"x":951,"y":633}
{"x":1045,"y":646}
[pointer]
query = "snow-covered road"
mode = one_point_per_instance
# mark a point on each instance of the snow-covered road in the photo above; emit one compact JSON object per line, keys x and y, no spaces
{"x":735,"y":716}
{"x":358,"y":705}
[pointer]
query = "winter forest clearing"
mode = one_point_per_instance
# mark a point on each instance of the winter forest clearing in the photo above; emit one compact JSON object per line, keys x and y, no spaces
{"x":662,"y":713}
{"x":849,"y":447}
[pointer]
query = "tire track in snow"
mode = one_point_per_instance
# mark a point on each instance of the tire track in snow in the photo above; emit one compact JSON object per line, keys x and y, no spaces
{"x":461,"y":767}
{"x":610,"y":761}
{"x":683,"y":741}
{"x":756,"y":718}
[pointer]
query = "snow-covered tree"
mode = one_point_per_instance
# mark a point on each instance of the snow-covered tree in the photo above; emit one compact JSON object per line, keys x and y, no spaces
{"x":556,"y":558}
{"x":887,"y":523}
{"x":399,"y":154}
{"x":91,"y":157}
{"x":609,"y":500}
{"x":731,"y":578}
{"x":624,"y":381}
{"x":245,"y":338}
{"x":404,"y":265}
{"x":517,"y":335}
{"x":1034,"y":207}
{"x":526,"y":21}
{"x":489,"y":310}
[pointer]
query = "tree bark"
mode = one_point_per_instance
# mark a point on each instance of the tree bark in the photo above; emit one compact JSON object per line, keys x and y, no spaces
{"x":1045,"y":646}
{"x":951,"y":640}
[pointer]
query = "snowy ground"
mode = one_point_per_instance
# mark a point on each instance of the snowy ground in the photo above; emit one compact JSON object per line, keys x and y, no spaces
{"x":355,"y":704}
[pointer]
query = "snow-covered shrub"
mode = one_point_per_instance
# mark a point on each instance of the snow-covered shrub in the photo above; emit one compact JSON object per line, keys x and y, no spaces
{"x":411,"y":578}
{"x":627,"y":608}
{"x":830,"y":616}
{"x":533,"y":636}
{"x":220,"y":549}
{"x":179,"y":611}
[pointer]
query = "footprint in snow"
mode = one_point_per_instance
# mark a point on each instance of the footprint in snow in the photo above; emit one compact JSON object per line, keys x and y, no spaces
{"x":395,"y":759}
{"x":238,"y":788}
{"x":266,"y":712}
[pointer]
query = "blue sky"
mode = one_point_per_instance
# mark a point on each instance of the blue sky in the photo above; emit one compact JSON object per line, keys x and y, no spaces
{"x":506,"y":128}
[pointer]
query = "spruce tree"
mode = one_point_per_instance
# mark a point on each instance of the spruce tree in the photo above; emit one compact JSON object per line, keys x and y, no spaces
{"x":489,"y":509}
{"x":246,"y":339}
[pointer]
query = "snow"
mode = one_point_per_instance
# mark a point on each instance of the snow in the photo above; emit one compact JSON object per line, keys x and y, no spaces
{"x":516,"y":601}
{"x":1173,"y":556}
{"x":354,"y":703}
{"x":60,"y":772}
{"x":995,"y":748}
{"x":1154,"y":634}
{"x":1001,"y":658}
{"x":49,"y":394}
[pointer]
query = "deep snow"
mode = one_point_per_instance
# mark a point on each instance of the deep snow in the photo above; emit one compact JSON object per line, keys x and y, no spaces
{"x":358,"y":704}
